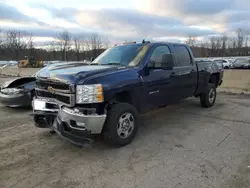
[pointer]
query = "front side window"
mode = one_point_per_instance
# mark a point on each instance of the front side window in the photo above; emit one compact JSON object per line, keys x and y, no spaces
{"x":157,"y":56}
{"x":128,"y":55}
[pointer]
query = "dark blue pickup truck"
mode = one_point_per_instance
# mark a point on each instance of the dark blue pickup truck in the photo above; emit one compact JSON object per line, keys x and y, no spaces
{"x":106,"y":96}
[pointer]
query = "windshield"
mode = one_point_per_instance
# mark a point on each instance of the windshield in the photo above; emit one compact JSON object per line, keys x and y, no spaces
{"x":129,"y":55}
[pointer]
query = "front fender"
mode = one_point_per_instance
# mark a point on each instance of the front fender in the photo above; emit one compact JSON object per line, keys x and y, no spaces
{"x":24,"y":81}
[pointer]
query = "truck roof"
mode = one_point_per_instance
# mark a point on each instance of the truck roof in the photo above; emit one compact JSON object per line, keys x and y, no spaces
{"x":150,"y":43}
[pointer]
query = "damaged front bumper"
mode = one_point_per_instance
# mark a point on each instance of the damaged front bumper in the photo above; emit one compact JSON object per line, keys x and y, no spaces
{"x":79,"y":121}
{"x":68,"y":123}
{"x":44,"y":112}
{"x":76,"y":126}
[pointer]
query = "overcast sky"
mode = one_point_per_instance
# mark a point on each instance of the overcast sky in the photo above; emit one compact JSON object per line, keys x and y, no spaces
{"x":126,"y":19}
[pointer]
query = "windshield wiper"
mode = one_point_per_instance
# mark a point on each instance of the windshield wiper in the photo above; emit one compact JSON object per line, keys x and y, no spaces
{"x":112,"y":63}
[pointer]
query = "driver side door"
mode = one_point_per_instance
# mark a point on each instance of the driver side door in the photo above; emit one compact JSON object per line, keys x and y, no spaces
{"x":160,"y":84}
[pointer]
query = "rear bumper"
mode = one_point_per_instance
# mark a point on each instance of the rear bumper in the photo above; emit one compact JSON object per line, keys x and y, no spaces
{"x":16,"y":100}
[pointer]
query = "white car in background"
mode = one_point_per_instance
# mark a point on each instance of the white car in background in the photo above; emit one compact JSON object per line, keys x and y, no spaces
{"x":226,"y":63}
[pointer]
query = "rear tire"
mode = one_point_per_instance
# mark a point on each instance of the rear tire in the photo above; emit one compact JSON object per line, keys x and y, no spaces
{"x":208,"y":98}
{"x":121,"y":124}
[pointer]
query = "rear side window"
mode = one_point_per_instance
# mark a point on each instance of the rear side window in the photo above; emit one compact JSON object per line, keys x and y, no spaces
{"x":182,"y":55}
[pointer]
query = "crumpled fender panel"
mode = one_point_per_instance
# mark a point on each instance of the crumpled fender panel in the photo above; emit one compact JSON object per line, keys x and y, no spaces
{"x":19,"y":82}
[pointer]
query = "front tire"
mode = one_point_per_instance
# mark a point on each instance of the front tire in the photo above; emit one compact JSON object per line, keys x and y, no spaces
{"x":121,"y":124}
{"x":207,"y":99}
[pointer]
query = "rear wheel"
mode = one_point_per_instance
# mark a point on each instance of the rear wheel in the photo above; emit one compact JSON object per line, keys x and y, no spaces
{"x":207,"y":99}
{"x":121,"y":124}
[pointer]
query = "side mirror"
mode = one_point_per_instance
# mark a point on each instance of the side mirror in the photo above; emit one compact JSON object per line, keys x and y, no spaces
{"x":92,"y":59}
{"x":167,"y":61}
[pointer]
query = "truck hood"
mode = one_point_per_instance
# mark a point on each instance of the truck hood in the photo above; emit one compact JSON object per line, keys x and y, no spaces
{"x":75,"y":73}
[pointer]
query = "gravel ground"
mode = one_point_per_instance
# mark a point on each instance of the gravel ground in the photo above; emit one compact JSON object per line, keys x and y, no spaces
{"x":180,"y":146}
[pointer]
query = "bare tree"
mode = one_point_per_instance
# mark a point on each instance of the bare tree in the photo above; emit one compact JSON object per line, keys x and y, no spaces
{"x":204,"y":48}
{"x":52,"y":49}
{"x":17,"y":41}
{"x":29,"y":41}
{"x":64,"y":43}
{"x":213,"y":45}
{"x":218,"y":45}
{"x":240,"y":40}
{"x":224,"y":45}
{"x":232,"y":46}
{"x":191,"y":41}
{"x":106,"y":42}
{"x":246,"y":41}
{"x":246,"y":45}
{"x":1,"y":37}
{"x":79,"y":46}
{"x":95,"y":44}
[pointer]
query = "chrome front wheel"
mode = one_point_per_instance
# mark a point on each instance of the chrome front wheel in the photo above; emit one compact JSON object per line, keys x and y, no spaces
{"x":125,"y":125}
{"x":121,"y":124}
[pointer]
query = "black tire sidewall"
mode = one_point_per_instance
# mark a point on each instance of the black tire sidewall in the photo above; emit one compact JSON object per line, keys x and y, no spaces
{"x":212,"y":87}
{"x":204,"y":98}
{"x":110,"y":129}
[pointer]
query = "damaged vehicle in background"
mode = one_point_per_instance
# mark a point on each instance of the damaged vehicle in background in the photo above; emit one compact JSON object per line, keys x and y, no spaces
{"x":19,"y":92}
{"x":241,"y":63}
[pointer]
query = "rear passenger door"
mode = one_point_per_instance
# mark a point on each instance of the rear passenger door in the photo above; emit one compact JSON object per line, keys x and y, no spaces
{"x":187,"y":72}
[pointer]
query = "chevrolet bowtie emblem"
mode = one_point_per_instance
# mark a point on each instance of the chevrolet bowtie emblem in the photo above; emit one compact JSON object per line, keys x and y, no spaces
{"x":51,"y":90}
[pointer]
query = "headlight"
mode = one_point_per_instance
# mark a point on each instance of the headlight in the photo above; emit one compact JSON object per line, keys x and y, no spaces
{"x":89,"y":94}
{"x":12,"y":90}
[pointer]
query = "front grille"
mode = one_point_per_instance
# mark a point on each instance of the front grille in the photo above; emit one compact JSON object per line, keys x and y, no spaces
{"x":44,"y":84}
{"x":61,"y":98}
{"x":62,"y":92}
